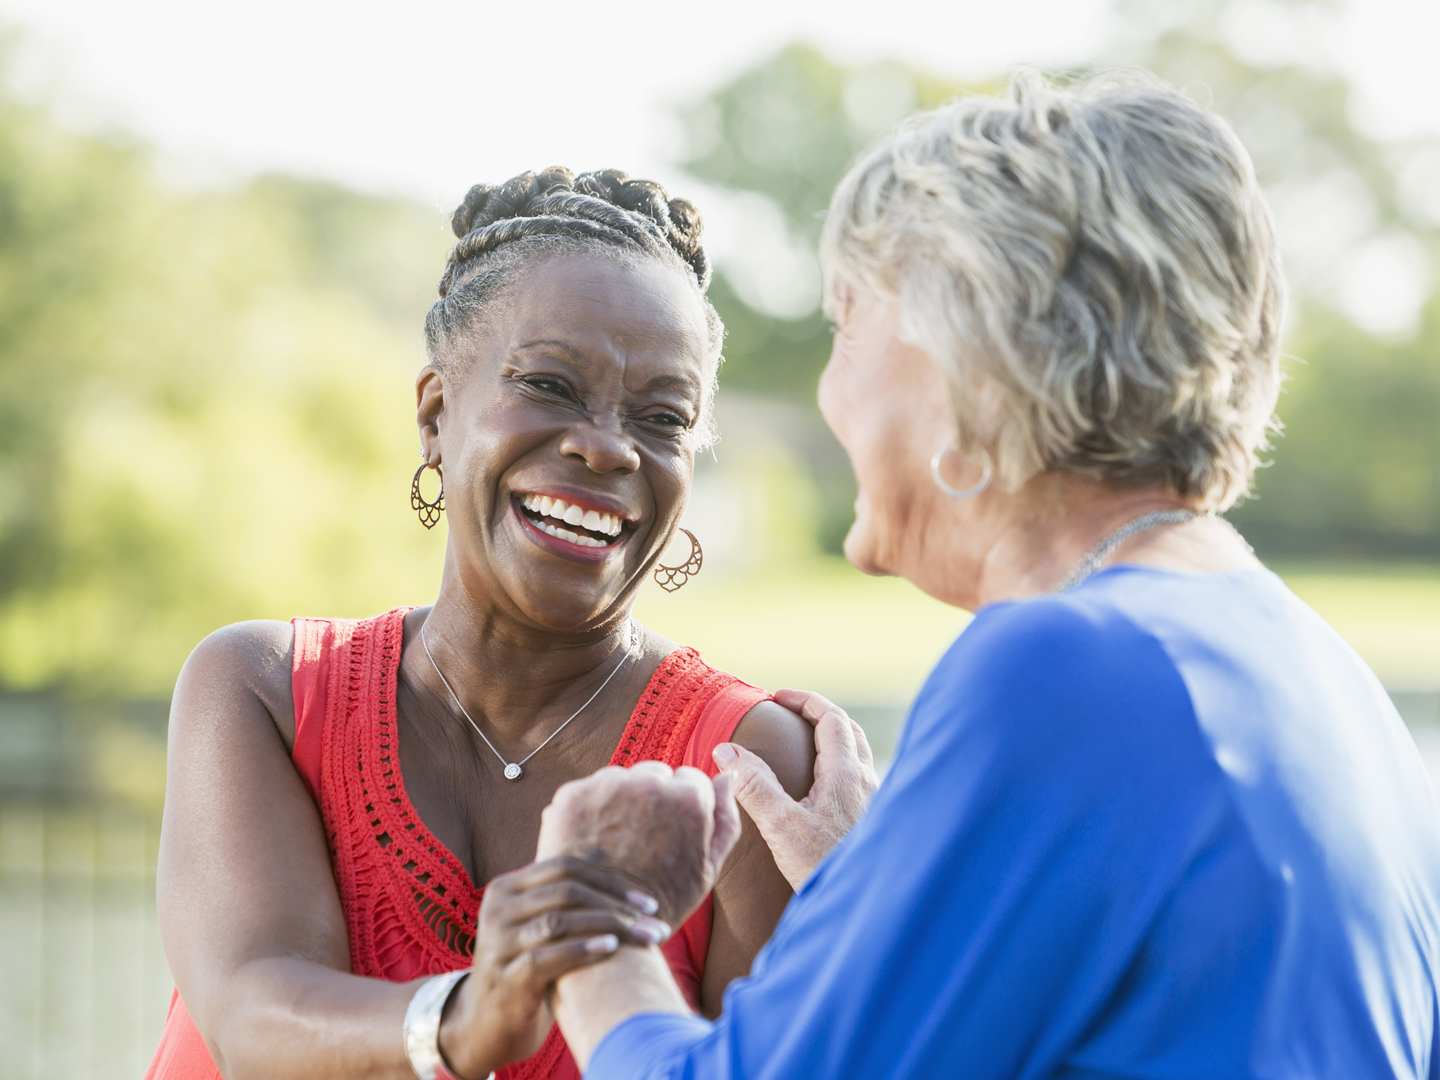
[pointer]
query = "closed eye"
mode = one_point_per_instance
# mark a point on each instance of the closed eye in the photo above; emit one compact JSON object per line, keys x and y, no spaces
{"x":548,"y":385}
{"x":670,"y":422}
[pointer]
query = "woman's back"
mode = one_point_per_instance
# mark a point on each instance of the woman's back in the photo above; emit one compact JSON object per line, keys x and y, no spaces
{"x":1319,"y":907}
{"x":1165,"y":825}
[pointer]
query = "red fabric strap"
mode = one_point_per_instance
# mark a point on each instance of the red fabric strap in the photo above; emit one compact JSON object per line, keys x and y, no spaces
{"x":718,"y":723}
{"x":309,"y":685}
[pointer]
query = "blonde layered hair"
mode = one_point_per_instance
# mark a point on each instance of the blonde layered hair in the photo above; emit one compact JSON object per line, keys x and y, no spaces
{"x":1094,"y":268}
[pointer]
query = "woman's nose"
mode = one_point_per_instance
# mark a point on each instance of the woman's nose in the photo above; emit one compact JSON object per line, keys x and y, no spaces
{"x":603,"y":447}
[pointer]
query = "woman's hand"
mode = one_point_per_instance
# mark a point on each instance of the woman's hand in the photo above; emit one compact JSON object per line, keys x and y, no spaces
{"x":667,"y":831}
{"x":537,"y":924}
{"x":802,"y":833}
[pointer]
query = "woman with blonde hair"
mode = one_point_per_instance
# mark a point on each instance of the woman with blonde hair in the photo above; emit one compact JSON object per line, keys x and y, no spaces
{"x":1150,"y":816}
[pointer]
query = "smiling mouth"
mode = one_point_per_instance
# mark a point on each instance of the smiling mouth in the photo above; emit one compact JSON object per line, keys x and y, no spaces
{"x":566,"y":521}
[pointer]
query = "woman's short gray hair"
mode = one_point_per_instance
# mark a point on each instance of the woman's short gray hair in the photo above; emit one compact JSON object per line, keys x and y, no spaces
{"x":1094,"y":267}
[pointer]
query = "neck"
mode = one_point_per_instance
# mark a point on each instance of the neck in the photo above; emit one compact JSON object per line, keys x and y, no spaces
{"x":1026,"y":544}
{"x":507,"y":673}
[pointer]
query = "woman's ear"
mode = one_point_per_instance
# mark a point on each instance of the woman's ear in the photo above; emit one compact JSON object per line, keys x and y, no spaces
{"x":429,"y":407}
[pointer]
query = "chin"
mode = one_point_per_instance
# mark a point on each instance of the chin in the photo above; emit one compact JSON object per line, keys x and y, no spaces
{"x":567,"y":610}
{"x":860,"y":550}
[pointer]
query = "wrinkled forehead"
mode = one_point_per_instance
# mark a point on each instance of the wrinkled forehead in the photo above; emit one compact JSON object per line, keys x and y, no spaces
{"x":635,"y":303}
{"x":621,"y":310}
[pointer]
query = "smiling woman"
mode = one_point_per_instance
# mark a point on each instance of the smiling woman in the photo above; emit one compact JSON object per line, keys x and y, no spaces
{"x":353,"y":805}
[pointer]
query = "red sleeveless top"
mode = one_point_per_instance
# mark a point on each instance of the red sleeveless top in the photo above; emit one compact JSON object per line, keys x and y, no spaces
{"x":410,"y":907}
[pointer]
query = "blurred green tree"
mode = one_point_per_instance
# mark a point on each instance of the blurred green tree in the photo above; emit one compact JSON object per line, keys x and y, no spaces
{"x":58,"y":201}
{"x":205,"y":399}
{"x":1358,"y":470}
{"x":205,"y":408}
{"x":786,"y":130}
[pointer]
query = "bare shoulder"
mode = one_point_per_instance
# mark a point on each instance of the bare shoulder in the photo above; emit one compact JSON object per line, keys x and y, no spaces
{"x":786,"y":742}
{"x":244,"y":659}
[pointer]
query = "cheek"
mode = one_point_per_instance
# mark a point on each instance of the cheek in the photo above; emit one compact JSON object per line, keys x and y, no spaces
{"x":672,"y":487}
{"x":861,"y":414}
{"x":827,"y":396}
{"x":846,"y":403}
{"x":668,"y":478}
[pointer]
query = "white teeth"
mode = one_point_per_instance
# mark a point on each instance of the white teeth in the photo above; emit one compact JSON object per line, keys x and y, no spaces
{"x":574,"y":538}
{"x":560,"y":510}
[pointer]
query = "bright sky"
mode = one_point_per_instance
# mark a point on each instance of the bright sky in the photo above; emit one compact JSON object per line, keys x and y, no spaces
{"x":430,"y":96}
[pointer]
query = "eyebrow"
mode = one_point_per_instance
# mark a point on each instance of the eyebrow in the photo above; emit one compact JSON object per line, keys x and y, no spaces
{"x":668,"y":382}
{"x":555,"y":343}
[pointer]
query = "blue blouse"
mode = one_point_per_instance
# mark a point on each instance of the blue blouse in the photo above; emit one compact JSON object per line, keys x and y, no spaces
{"x":1165,"y":825}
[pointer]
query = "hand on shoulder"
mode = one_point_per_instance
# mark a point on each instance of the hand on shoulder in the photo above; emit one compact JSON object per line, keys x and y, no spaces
{"x":800,"y":821}
{"x":784,"y":741}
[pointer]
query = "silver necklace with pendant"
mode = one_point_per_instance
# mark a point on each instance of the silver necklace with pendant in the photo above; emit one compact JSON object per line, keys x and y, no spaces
{"x":1105,"y":548}
{"x":514,"y":770}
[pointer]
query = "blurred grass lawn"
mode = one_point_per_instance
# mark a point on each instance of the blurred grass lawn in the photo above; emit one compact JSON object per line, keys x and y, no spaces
{"x":1391,"y":615}
{"x":818,"y":624}
{"x":822,"y":625}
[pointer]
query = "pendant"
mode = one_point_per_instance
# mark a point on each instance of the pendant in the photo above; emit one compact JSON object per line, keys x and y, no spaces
{"x":512,"y":771}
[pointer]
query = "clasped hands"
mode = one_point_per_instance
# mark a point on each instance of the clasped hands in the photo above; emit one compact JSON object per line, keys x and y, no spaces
{"x":625,"y":856}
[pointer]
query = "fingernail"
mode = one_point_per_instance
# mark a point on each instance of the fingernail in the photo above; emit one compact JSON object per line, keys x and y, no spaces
{"x":651,"y":931}
{"x":639,"y":900}
{"x":605,"y":943}
{"x":724,"y":755}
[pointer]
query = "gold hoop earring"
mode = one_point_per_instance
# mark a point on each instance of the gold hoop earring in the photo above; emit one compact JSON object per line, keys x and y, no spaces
{"x":429,"y":511}
{"x":671,"y":578}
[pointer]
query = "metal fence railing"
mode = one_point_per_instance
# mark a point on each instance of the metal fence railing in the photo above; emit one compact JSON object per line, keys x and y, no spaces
{"x":83,"y":981}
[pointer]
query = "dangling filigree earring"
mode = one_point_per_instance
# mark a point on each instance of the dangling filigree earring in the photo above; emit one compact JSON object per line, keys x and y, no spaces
{"x":429,"y":511}
{"x":671,"y":578}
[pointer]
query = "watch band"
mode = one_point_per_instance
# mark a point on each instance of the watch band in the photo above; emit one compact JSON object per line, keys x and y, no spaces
{"x":422,"y":1025}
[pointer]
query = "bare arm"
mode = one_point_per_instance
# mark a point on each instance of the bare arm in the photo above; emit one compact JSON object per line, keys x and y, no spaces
{"x":251,"y":918}
{"x":671,"y":832}
{"x":799,"y":833}
{"x":249,"y":912}
{"x":592,"y":1003}
{"x":751,"y":892}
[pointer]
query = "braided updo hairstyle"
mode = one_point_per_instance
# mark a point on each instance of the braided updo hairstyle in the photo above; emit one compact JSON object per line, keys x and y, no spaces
{"x":533,"y":216}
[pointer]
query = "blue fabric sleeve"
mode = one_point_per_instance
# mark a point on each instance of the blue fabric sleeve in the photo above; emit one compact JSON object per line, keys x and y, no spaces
{"x":1049,"y":792}
{"x":654,"y":1041}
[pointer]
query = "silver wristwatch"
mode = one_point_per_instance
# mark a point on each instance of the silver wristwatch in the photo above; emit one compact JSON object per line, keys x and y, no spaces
{"x":422,"y":1026}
